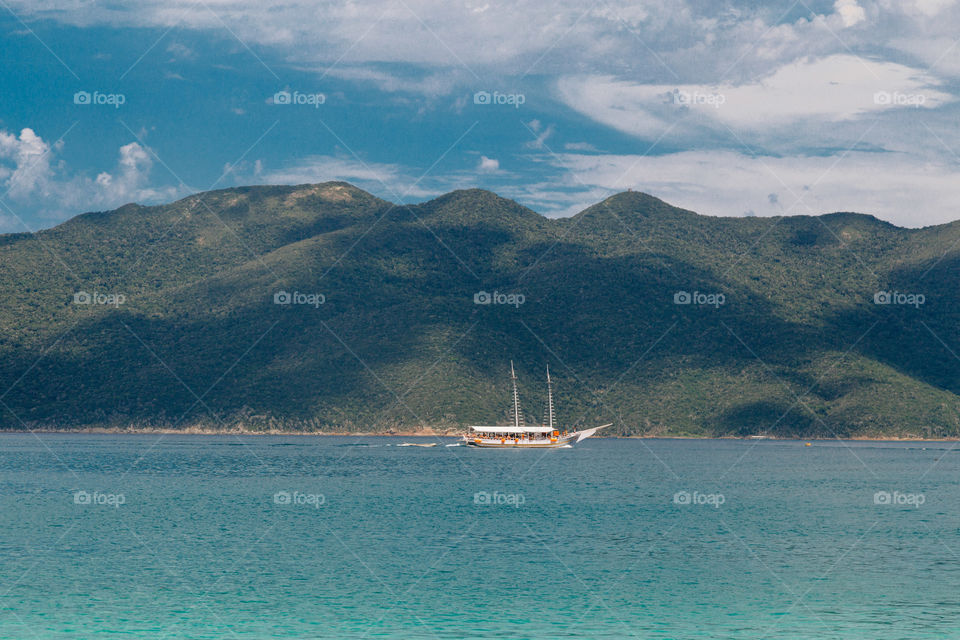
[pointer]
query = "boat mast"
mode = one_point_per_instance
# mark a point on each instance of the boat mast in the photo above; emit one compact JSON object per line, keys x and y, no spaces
{"x":516,"y":398}
{"x":549,"y":417}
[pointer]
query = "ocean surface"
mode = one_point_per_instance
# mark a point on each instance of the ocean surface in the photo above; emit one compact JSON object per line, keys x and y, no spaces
{"x":146,"y":536}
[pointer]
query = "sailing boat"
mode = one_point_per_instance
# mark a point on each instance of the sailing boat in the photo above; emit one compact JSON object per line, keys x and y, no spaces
{"x":520,"y":436}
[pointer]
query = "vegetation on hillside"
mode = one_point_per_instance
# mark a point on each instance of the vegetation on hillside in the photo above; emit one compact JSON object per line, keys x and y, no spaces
{"x":782,"y":334}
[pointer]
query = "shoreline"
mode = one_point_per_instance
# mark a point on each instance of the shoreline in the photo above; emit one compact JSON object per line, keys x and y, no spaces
{"x":429,"y":433}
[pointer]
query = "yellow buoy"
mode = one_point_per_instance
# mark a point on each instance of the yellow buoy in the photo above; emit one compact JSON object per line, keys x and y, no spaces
{"x":808,"y":445}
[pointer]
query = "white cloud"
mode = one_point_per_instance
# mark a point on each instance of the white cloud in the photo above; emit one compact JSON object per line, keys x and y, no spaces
{"x":488,"y":165}
{"x":436,"y":47}
{"x":677,"y":40}
{"x":542,"y":134}
{"x":850,"y":12}
{"x":616,"y":103}
{"x":429,"y":32}
{"x":833,"y":89}
{"x":474,"y":40}
{"x":391,"y":181}
{"x":180,"y":51}
{"x":580,"y":146}
{"x":925,"y":30}
{"x":926,"y":8}
{"x":430,"y":84}
{"x":27,"y":159}
{"x":31,"y":175}
{"x":129,"y":181}
{"x":554,"y":199}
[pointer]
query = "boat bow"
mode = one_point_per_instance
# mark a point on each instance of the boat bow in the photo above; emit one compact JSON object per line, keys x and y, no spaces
{"x":586,"y":433}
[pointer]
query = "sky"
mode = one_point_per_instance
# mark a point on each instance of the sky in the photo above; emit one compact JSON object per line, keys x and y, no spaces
{"x":727,"y":108}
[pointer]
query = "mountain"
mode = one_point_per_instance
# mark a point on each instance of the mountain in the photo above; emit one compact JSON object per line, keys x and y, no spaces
{"x":782,"y":334}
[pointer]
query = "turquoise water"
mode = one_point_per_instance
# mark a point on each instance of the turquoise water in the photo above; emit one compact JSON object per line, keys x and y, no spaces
{"x":275,"y":537}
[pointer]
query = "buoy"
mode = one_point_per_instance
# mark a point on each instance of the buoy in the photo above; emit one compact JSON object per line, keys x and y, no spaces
{"x":808,"y":445}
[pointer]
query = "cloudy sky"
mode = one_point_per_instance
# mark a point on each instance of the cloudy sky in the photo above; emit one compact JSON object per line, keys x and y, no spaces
{"x":727,"y":108}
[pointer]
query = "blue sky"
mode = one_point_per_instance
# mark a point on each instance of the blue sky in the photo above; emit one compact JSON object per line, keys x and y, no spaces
{"x":726,"y":108}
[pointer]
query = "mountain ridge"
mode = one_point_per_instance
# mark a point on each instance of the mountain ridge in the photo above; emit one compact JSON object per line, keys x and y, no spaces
{"x":630,"y":193}
{"x":797,"y":347}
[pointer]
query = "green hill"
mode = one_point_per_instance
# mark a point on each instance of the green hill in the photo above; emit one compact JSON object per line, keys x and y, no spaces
{"x":797,"y":346}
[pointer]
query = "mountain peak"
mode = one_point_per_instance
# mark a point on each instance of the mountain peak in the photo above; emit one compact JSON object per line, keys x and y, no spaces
{"x":634,"y":197}
{"x":858,"y":219}
{"x":631,"y":204}
{"x":477,"y":206}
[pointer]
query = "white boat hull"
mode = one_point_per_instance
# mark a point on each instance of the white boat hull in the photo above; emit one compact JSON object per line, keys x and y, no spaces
{"x":531,"y":443}
{"x":489,"y":443}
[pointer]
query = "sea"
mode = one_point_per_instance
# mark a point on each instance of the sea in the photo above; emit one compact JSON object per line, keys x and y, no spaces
{"x":192,"y":536}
